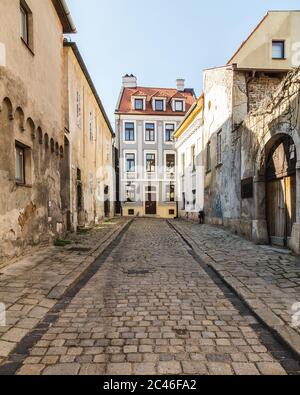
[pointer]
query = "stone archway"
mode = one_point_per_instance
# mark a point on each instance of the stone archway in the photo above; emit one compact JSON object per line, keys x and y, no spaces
{"x":278,"y":177}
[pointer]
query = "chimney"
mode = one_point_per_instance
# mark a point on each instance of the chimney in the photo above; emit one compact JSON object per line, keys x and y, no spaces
{"x":129,"y":81}
{"x":180,"y":84}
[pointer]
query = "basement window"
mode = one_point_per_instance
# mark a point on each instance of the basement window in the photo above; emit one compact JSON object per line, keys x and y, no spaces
{"x":278,"y":50}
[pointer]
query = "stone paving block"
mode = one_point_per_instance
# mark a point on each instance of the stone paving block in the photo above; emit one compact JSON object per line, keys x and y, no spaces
{"x":169,"y":368}
{"x":6,"y":348}
{"x":271,"y":369}
{"x":117,"y":369}
{"x":245,"y":369}
{"x":62,"y":369}
{"x":194,"y":368}
{"x":144,"y":369}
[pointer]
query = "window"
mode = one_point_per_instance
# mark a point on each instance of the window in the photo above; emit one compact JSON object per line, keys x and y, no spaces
{"x":194,"y":199}
{"x":138,"y":104}
{"x":169,"y":132}
{"x":178,"y":105}
{"x":193,"y":157}
{"x":130,"y":163}
{"x":219,"y":147}
{"x":129,"y":131}
{"x":183,"y":201}
{"x":150,"y":163}
{"x":78,"y":105}
{"x":159,"y":105}
{"x":130,"y":212}
{"x":130,"y":193}
{"x":170,"y":193}
{"x":26,"y":24}
{"x":183,"y":164}
{"x":208,"y":158}
{"x":20,"y":164}
{"x":170,"y":163}
{"x":278,"y":50}
{"x":91,"y":127}
{"x":150,"y":132}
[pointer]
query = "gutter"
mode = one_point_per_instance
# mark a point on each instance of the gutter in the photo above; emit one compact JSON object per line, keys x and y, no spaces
{"x":64,"y":15}
{"x":68,"y":15}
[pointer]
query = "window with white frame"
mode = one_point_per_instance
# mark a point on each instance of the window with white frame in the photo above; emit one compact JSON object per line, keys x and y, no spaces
{"x":183,"y":164}
{"x":179,"y":106}
{"x":130,"y":162}
{"x":170,"y":163}
{"x":150,"y":132}
{"x":150,"y":163}
{"x":20,"y":164}
{"x":193,"y":158}
{"x":26,"y":24}
{"x":170,"y":192}
{"x":129,"y":131}
{"x":159,"y":105}
{"x":130,"y":193}
{"x":139,"y":104}
{"x":169,"y":132}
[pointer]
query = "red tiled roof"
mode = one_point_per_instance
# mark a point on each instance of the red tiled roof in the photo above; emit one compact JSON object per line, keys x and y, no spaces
{"x":125,"y":106}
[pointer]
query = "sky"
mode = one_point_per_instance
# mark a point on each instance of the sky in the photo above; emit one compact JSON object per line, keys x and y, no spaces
{"x":161,"y":40}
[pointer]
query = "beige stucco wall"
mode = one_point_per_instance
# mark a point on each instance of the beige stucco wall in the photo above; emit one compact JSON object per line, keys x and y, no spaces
{"x":93,"y":158}
{"x":30,"y":109}
{"x":257,"y":51}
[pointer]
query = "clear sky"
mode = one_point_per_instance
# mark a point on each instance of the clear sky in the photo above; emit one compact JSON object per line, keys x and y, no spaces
{"x":161,"y":40}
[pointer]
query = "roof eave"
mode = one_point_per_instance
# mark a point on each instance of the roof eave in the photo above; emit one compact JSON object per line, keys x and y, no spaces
{"x":65,"y":16}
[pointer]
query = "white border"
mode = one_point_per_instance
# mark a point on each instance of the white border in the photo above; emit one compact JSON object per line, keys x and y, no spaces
{"x":135,"y":132}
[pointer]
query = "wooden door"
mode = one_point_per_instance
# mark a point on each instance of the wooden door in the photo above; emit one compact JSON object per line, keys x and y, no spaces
{"x":290,"y":193}
{"x":276,"y":211}
{"x":150,"y":203}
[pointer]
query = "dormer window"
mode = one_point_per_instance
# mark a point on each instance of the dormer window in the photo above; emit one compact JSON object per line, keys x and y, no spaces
{"x":278,"y":50}
{"x":179,"y":105}
{"x":159,"y":105}
{"x":139,"y":104}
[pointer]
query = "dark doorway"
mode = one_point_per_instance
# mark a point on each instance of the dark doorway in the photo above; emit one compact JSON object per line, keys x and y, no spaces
{"x":281,"y":190}
{"x":106,"y":201}
{"x":151,"y":204}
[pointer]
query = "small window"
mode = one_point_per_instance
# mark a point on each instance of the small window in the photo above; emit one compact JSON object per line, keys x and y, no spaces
{"x":170,"y":163}
{"x":150,"y":163}
{"x":194,"y":199}
{"x":130,"y":193}
{"x":149,"y":132}
{"x":169,"y":132}
{"x":170,"y":193}
{"x":171,"y":212}
{"x":26,"y":24}
{"x":129,"y":131}
{"x":130,"y":163}
{"x":208,"y":158}
{"x":139,"y":104}
{"x":193,"y":158}
{"x":183,"y":164}
{"x":278,"y":50}
{"x":131,"y":212}
{"x":219,"y":147}
{"x":20,"y":164}
{"x":159,"y":105}
{"x":178,"y":105}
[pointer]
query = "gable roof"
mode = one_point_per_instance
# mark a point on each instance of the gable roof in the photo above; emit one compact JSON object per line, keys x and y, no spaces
{"x":125,"y":106}
{"x":64,"y":16}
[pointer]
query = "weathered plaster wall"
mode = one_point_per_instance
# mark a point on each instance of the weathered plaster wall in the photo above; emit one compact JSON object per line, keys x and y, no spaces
{"x":91,"y":154}
{"x":30,"y":113}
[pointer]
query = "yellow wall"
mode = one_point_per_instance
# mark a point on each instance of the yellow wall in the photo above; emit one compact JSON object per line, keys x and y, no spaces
{"x":162,"y":211}
{"x":257,"y":51}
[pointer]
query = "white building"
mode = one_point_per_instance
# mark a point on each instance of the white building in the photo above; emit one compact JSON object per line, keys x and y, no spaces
{"x":146,"y":119}
{"x":190,"y":146}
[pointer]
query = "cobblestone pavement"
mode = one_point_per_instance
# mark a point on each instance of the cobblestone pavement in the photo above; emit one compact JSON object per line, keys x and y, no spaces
{"x":152,"y":307}
{"x":26,"y":285}
{"x":259,"y":272}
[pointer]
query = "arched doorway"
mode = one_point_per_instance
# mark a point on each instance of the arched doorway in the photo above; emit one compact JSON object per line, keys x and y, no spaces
{"x":281,"y":189}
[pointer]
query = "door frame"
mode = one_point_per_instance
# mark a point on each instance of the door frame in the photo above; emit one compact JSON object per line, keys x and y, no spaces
{"x":146,"y":193}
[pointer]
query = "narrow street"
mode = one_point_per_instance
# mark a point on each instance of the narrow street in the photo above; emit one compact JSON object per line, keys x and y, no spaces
{"x":150,"y":305}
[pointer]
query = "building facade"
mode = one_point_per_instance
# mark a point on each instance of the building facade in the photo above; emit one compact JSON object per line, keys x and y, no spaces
{"x":231,"y":92}
{"x":88,"y":193}
{"x":146,"y":119}
{"x":31,"y":122}
{"x":190,"y":148}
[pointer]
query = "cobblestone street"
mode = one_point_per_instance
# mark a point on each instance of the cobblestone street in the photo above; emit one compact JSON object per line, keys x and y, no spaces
{"x":150,"y":305}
